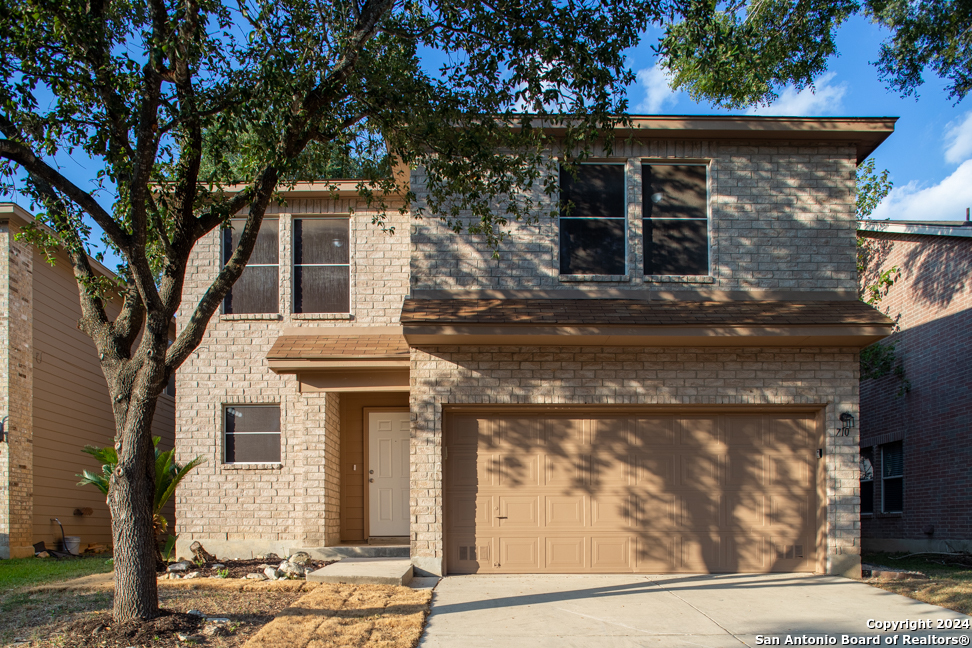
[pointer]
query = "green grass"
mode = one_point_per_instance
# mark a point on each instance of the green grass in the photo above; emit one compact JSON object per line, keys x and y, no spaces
{"x":25,"y":572}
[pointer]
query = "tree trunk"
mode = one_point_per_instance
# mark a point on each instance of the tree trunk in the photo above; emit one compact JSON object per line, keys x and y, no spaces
{"x":131,"y":498}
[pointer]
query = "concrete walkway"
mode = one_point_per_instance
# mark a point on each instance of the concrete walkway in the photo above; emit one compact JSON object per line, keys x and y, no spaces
{"x":714,"y":611}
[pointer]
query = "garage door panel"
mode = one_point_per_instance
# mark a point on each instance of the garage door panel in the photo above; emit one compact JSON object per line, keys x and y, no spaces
{"x":566,"y":554}
{"x":566,"y":511}
{"x":612,"y":513}
{"x":745,"y":469}
{"x":518,"y":511}
{"x":700,"y":434}
{"x":611,"y":553}
{"x":566,"y":432}
{"x":653,"y":432}
{"x":518,"y":470}
{"x":519,"y":554}
{"x":470,"y":512}
{"x":744,"y":431}
{"x":608,"y":470}
{"x":610,"y":435}
{"x":520,"y":433}
{"x":469,"y":468}
{"x":562,"y":471}
{"x":560,"y":493}
{"x":655,"y":471}
{"x":471,"y":431}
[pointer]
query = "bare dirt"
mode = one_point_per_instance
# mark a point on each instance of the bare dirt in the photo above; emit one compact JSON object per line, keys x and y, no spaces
{"x":240,"y":568}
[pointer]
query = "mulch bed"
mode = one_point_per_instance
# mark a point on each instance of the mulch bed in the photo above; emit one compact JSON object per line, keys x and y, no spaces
{"x":103,"y":632}
{"x":240,"y":568}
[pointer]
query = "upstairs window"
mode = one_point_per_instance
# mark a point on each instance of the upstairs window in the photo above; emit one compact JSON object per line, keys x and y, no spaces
{"x":592,"y":220}
{"x":867,"y":481}
{"x":322,"y":265}
{"x":892,"y":477}
{"x":251,"y":434}
{"x":257,"y":289}
{"x":676,"y":224}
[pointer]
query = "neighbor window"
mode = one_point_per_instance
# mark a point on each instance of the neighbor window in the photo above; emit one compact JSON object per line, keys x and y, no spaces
{"x":592,"y":220}
{"x":867,"y":481}
{"x":892,"y":477}
{"x":322,"y":265}
{"x":251,"y":434}
{"x":676,"y":225}
{"x":257,"y":288}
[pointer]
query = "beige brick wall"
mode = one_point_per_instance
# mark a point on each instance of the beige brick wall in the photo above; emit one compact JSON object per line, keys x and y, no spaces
{"x":782,"y":218}
{"x":609,"y":375}
{"x":16,"y":377}
{"x":236,"y":510}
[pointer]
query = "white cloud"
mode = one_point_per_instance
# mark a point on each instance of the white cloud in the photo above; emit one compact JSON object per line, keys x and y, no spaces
{"x":827,"y":98}
{"x":945,"y":201}
{"x":658,"y":94}
{"x":958,"y":139}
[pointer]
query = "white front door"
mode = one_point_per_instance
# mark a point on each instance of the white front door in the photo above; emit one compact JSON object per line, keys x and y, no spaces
{"x":388,"y":455}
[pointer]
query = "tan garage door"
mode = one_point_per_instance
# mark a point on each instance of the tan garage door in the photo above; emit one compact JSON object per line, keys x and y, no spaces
{"x":562,"y":493}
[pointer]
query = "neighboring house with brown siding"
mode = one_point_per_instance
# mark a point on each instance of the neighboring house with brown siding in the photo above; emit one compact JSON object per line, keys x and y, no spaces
{"x":648,"y":383}
{"x":56,"y":400}
{"x":916,"y":445}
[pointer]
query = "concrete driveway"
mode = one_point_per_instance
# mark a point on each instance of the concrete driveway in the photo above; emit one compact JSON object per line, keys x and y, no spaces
{"x":713,"y":611}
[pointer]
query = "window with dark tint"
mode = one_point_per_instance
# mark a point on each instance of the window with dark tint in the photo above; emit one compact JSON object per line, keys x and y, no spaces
{"x":676,"y":225}
{"x":867,"y":480}
{"x":322,"y":265}
{"x":252,"y":434}
{"x":257,"y":288}
{"x":892,"y":477}
{"x":592,"y":220}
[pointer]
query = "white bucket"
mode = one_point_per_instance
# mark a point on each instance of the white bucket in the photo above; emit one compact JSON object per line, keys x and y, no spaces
{"x":72,"y":545}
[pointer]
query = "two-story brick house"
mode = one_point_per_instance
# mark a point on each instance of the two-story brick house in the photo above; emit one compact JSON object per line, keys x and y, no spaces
{"x":916,"y":443}
{"x":649,"y":383}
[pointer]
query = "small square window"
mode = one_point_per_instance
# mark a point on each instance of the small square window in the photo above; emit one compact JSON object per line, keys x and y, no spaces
{"x":257,"y":289}
{"x":867,"y":481}
{"x":892,"y":477}
{"x":593,"y":224}
{"x":251,"y":434}
{"x":322,"y":265}
{"x":676,"y":224}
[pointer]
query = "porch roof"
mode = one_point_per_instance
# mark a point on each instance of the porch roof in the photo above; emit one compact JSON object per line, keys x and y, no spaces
{"x":635,"y":322}
{"x":341,"y":349}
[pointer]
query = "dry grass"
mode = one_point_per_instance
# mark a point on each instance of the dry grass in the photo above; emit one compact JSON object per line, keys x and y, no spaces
{"x":263,"y":614}
{"x":947,"y":586}
{"x":345,"y":616}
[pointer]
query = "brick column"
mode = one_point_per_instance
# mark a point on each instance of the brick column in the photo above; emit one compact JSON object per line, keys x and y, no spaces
{"x":16,"y":378}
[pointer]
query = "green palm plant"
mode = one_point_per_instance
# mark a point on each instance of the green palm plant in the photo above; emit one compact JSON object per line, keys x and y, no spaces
{"x":168,"y":474}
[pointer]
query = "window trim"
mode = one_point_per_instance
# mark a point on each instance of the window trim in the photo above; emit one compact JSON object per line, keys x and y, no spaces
{"x":703,"y":278}
{"x":249,"y":464}
{"x":884,"y":479}
{"x":277,"y":265}
{"x":627,"y":226}
{"x":293,"y":267}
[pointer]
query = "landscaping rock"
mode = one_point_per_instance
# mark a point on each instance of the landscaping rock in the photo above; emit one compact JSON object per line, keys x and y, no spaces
{"x":270,"y":557}
{"x":271,"y":573}
{"x":218,"y":566}
{"x":192,"y":575}
{"x":292,"y":569}
{"x":196,"y":613}
{"x":300,"y":558}
{"x":256,"y":576}
{"x":181,"y":566}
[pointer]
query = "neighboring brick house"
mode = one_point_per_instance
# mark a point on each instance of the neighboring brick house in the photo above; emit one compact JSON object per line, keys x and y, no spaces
{"x":53,"y":399}
{"x":916,"y":445}
{"x":648,"y":383}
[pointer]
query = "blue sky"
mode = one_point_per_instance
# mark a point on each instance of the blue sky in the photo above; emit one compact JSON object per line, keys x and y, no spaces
{"x":929,"y":155}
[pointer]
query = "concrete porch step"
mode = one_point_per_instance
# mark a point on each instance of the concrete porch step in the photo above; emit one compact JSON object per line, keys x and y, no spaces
{"x":341,"y":552}
{"x":373,"y":571}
